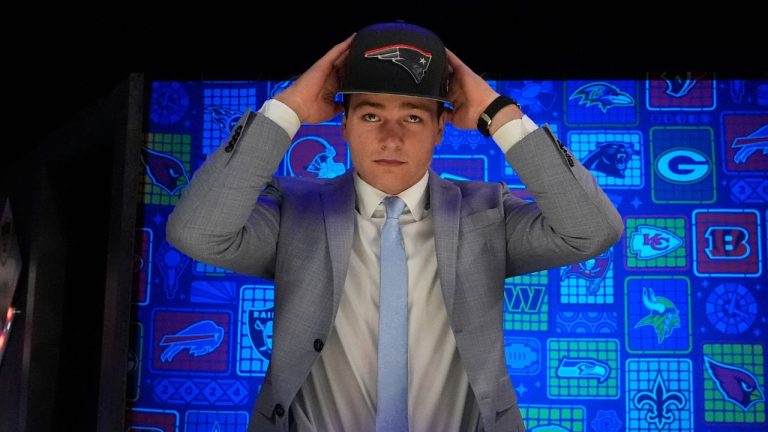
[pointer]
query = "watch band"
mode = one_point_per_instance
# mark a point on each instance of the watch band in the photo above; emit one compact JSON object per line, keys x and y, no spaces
{"x":486,"y":118}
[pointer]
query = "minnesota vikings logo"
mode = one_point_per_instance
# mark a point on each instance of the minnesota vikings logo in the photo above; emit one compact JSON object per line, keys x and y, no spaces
{"x":603,"y":95}
{"x":610,"y":157}
{"x":166,"y":172}
{"x":200,"y":338}
{"x":737,"y":385}
{"x":260,"y":325}
{"x":747,"y":145}
{"x":680,"y":85}
{"x":664,"y":316}
{"x":593,"y":270}
{"x":583,"y":368}
{"x":412,"y":59}
{"x":660,"y":402}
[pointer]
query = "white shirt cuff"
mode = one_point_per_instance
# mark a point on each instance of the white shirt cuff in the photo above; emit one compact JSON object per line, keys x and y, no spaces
{"x":512,"y":132}
{"x":283,"y":115}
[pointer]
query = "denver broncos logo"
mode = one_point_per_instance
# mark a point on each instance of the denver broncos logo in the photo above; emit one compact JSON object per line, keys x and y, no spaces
{"x":412,"y":59}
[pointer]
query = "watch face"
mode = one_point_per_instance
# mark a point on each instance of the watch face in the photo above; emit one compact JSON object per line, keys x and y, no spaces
{"x":169,"y":102}
{"x":731,"y":308}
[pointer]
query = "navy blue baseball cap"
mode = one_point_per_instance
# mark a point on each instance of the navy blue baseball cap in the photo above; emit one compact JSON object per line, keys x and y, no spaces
{"x":397,"y":58}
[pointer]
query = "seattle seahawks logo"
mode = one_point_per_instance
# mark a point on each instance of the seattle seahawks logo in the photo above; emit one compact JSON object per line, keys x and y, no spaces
{"x":412,"y":59}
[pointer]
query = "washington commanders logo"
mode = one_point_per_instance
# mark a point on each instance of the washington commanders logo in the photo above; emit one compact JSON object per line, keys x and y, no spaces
{"x":260,"y":322}
{"x":412,"y":59}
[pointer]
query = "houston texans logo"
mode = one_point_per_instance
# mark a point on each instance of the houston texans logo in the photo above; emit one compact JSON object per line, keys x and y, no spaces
{"x":583,"y":368}
{"x":746,"y":145}
{"x":593,"y":270}
{"x":412,"y":59}
{"x":603,"y":95}
{"x":660,"y":402}
{"x":610,"y":157}
{"x":680,"y":85}
{"x":165,"y":171}
{"x":201,"y":338}
{"x":737,"y":385}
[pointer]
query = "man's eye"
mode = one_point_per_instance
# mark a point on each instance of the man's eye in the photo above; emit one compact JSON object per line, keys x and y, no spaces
{"x":413,"y":118}
{"x":370,"y":117}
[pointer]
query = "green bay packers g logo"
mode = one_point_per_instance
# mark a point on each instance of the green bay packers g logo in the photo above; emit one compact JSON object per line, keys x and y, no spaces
{"x":683,"y":165}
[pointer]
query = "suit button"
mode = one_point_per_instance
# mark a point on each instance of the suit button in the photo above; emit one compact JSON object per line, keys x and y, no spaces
{"x":279,"y":410}
{"x":229,"y":147}
{"x":319,"y":345}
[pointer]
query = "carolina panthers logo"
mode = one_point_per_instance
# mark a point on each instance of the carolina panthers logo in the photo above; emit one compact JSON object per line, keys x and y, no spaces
{"x":412,"y":59}
{"x":610,"y":157}
{"x":603,"y":95}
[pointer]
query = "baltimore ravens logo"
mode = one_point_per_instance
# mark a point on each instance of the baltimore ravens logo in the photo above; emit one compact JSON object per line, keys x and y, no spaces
{"x":602,"y":94}
{"x":412,"y":59}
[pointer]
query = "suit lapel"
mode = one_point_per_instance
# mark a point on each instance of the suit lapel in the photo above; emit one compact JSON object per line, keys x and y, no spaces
{"x":339,"y":215}
{"x":445,"y":202}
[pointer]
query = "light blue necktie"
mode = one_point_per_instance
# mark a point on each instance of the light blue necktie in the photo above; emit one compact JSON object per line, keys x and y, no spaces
{"x":392,"y":404}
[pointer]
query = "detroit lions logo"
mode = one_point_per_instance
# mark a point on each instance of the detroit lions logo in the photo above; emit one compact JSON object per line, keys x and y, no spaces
{"x":603,"y":95}
{"x":664,"y":316}
{"x":737,"y":385}
{"x":412,"y":59}
{"x":610,"y":157}
{"x":747,"y":145}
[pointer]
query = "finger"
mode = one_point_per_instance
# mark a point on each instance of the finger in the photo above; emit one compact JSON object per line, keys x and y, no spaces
{"x":453,"y":60}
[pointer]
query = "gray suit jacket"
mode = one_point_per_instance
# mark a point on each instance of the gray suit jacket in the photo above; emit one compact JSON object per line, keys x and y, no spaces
{"x":299,"y":233}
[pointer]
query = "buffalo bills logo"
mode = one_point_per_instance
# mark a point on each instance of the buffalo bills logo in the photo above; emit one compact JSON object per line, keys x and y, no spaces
{"x":260,"y":324}
{"x":603,"y":95}
{"x":412,"y":59}
{"x":165,"y":171}
{"x":737,"y":385}
{"x":610,"y":158}
{"x":200,"y":338}
{"x":747,"y":145}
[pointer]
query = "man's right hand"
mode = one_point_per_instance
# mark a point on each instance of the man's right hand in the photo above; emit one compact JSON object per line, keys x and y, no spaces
{"x":311,"y":96}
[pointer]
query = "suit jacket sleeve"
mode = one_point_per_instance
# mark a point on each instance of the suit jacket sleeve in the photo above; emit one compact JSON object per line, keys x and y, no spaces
{"x":571,"y":219}
{"x":229,"y":214}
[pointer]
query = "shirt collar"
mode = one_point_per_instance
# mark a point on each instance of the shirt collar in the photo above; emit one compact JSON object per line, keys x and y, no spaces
{"x":369,"y":198}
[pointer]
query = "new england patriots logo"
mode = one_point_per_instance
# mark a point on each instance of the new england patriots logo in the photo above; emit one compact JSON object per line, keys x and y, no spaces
{"x":746,"y":145}
{"x":603,"y":95}
{"x":737,"y":385}
{"x":412,"y":59}
{"x":201,"y":338}
{"x":260,"y":325}
{"x":610,"y":157}
{"x":165,"y":171}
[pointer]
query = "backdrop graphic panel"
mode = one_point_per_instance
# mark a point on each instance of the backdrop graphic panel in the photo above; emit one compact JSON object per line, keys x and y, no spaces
{"x":663,"y":332}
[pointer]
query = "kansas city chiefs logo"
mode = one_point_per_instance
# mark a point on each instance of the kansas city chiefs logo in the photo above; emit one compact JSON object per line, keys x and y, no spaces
{"x":414,"y":60}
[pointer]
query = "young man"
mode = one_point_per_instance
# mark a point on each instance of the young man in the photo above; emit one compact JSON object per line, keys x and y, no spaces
{"x":334,"y":327}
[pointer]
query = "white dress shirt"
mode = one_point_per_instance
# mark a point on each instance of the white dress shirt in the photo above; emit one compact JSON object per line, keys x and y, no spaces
{"x":340,"y":391}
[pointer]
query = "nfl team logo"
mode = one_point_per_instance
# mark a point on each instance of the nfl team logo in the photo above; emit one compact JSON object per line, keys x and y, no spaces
{"x":745,"y":142}
{"x":688,"y":91}
{"x":318,"y":151}
{"x":682,"y":160}
{"x":142,"y":266}
{"x":151,"y":420}
{"x":190,"y":341}
{"x":727,"y":243}
{"x":461,"y":167}
{"x":656,"y":242}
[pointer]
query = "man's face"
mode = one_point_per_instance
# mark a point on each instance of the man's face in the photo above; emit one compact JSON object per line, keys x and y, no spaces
{"x":392,"y":138}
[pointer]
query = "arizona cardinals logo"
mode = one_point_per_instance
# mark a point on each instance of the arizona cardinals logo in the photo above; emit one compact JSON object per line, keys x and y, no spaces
{"x":201,"y":338}
{"x":737,"y":385}
{"x":660,"y":403}
{"x":593,"y":270}
{"x":583,"y":368}
{"x":746,"y":145}
{"x":412,"y":59}
{"x":664,"y":316}
{"x":165,"y":171}
{"x":610,"y":157}
{"x":680,"y":85}
{"x":603,"y":95}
